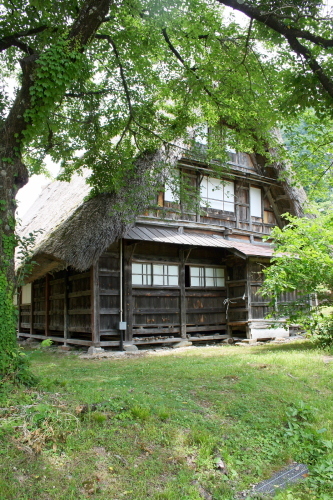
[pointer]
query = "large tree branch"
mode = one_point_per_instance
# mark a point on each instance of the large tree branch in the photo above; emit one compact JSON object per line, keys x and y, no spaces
{"x":121,"y":69}
{"x":180,"y":58}
{"x":273,"y":22}
{"x":13,"y":39}
{"x":291,"y":35}
{"x":90,"y":93}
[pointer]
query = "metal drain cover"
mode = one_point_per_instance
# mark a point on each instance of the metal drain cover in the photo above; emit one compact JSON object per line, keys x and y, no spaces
{"x":292,"y":474}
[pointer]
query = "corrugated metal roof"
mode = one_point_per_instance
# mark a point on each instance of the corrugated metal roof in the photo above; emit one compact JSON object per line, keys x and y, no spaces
{"x":170,"y":235}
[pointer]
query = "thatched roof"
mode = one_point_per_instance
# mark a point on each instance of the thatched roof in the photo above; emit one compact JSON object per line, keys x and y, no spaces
{"x":75,"y":231}
{"x":291,"y":197}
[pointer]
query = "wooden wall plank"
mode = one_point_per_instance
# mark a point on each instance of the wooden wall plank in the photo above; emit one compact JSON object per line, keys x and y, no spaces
{"x":66,"y":307}
{"x":128,"y":297}
{"x":182,"y":302}
{"x":95,"y":319}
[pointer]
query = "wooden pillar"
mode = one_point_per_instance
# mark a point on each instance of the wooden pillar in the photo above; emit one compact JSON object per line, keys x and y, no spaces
{"x":19,"y":305}
{"x":198,"y":204}
{"x":274,"y":207}
{"x":47,"y":305}
{"x":32,"y":309}
{"x":95,"y":305}
{"x":66,"y":308}
{"x":262,"y":210}
{"x":248,"y":292}
{"x":128,"y":296}
{"x":250,"y":218}
{"x":237,"y":189}
{"x":182,"y":312}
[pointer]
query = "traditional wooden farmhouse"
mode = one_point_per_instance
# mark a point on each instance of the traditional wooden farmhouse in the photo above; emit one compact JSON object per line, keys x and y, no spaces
{"x":177,"y":273}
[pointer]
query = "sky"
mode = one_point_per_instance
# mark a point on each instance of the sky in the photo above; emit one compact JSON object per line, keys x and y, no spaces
{"x":30,"y":192}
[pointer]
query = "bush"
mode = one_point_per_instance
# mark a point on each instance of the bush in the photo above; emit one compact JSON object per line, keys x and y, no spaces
{"x":323,"y":333}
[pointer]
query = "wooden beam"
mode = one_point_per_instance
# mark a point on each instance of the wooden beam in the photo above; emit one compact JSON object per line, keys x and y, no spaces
{"x":248,"y":293}
{"x":237,"y":189}
{"x":128,"y":296}
{"x":274,"y":207}
{"x":47,"y":305}
{"x":66,"y":307}
{"x":182,"y":298}
{"x":19,"y":305}
{"x":95,"y":304}
{"x":32,"y":308}
{"x":56,"y":339}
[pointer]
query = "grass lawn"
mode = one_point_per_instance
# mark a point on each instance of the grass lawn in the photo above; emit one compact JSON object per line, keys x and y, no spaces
{"x":204,"y":423}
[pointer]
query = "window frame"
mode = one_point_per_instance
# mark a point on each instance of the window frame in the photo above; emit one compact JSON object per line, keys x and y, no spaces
{"x":254,"y":201}
{"x":26,"y":294}
{"x":166,"y":276}
{"x":221,"y":185}
{"x":205,"y":277}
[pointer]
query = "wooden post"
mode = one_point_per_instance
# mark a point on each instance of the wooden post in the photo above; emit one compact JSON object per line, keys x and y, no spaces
{"x":274,"y":207}
{"x":95,"y":305}
{"x":250,"y":218}
{"x":128,"y":254}
{"x":32,"y":309}
{"x":19,"y":305}
{"x":47,"y":305}
{"x":66,"y":314}
{"x":236,"y":201}
{"x":262,"y":210}
{"x":182,"y":312}
{"x":248,"y":292}
{"x":197,"y":207}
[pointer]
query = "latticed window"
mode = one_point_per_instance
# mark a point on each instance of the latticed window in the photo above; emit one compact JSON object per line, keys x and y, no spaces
{"x":141,"y":274}
{"x":217,"y":194}
{"x":207,"y":276}
{"x":154,"y":274}
{"x":164,"y":274}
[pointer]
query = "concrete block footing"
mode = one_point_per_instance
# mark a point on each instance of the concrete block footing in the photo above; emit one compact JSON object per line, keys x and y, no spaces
{"x":95,"y":350}
{"x":130,"y":347}
{"x":182,"y":343}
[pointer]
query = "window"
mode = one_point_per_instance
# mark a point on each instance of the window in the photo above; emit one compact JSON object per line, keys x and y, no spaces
{"x":181,"y":187}
{"x":169,"y":194}
{"x":141,"y":274}
{"x":165,"y":275}
{"x":26,"y":294}
{"x":217,"y":194}
{"x":154,"y":274}
{"x":201,"y":134}
{"x":207,"y":276}
{"x":255,"y":202}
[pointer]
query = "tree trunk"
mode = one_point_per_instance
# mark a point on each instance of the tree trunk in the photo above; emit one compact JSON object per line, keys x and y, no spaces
{"x":13,"y":175}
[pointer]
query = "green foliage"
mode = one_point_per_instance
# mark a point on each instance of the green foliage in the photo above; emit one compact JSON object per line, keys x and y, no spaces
{"x":46,"y":343}
{"x":309,"y":141}
{"x":310,"y":447}
{"x":140,"y":412}
{"x":57,"y":67}
{"x":303,"y":262}
{"x":323,"y":332}
{"x":13,"y":363}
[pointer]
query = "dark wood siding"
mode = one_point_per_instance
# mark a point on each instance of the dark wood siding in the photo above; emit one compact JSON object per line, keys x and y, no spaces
{"x":61,"y":308}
